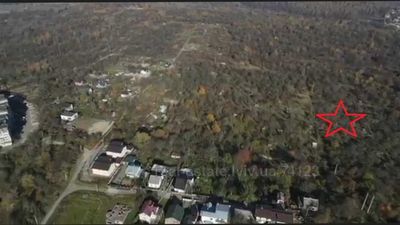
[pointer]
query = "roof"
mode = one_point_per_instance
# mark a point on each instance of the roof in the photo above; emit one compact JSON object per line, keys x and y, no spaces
{"x":3,"y":98}
{"x":149,"y":207}
{"x":218,"y":211}
{"x":130,"y":158}
{"x":133,"y":169}
{"x":100,"y":165}
{"x":68,"y":113}
{"x":158,"y":168}
{"x":154,"y":179}
{"x":180,"y":183}
{"x":115,"y":146}
{"x":274,"y":214}
{"x":175,"y":211}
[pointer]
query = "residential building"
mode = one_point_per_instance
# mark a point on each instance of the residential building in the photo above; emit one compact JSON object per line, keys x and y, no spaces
{"x":117,"y":214}
{"x":310,"y":204}
{"x":174,"y":214}
{"x":3,"y":100}
{"x":117,"y":149}
{"x":4,"y":110}
{"x":102,"y":84}
{"x":103,"y":166}
{"x":69,"y":107}
{"x":159,"y":169}
{"x":134,"y":169}
{"x":175,"y":155}
{"x":150,"y":212}
{"x":267,"y":214}
{"x":183,"y":179}
{"x":69,"y":116}
{"x":5,"y":138}
{"x":155,"y":181}
{"x":215,"y":213}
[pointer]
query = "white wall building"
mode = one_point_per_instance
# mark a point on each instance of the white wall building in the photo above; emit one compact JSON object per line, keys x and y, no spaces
{"x":215,"y":214}
{"x":103,"y":169}
{"x":69,"y":116}
{"x":117,"y":149}
{"x":5,"y":138}
{"x":155,"y":181}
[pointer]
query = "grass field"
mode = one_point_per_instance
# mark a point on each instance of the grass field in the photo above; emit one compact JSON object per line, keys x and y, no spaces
{"x":91,"y":208}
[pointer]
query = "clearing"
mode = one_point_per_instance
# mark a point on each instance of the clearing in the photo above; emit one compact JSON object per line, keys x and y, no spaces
{"x":91,"y":208}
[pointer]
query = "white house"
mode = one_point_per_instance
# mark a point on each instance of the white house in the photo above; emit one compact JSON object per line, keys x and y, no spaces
{"x":5,"y":138}
{"x":155,"y":181}
{"x":117,"y":149}
{"x":215,"y":213}
{"x":150,"y":212}
{"x":69,"y":116}
{"x":3,"y":100}
{"x":134,"y":169}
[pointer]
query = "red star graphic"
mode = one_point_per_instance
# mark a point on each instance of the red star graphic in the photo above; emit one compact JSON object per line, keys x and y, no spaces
{"x":352,"y":131}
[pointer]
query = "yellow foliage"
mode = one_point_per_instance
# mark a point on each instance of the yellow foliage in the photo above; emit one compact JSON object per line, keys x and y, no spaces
{"x":210,"y":117}
{"x":216,"y":128}
{"x":202,"y":90}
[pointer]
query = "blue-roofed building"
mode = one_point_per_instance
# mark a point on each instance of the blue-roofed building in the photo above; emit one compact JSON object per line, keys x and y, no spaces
{"x":215,"y":213}
{"x":134,"y":169}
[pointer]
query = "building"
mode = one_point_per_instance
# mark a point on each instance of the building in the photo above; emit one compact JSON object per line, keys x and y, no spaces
{"x":117,"y":149}
{"x":103,"y":166}
{"x":215,"y":213}
{"x":3,"y":100}
{"x":310,"y":204}
{"x":159,"y":169}
{"x":183,"y":179}
{"x":175,"y":155}
{"x":69,"y":107}
{"x":118,"y":214}
{"x":267,"y":214}
{"x":69,"y":116}
{"x":5,"y":138}
{"x":155,"y":181}
{"x":174,"y":214}
{"x":4,"y":110}
{"x":102,"y":84}
{"x":134,"y":169}
{"x":150,"y":212}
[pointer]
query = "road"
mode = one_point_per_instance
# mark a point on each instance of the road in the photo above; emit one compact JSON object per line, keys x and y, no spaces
{"x":84,"y":160}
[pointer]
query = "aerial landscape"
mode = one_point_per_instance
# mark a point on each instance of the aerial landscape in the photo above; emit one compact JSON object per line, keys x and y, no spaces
{"x":200,"y":112}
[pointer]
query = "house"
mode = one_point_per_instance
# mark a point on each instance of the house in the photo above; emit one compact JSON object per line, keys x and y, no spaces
{"x":80,"y":83}
{"x":102,"y":84}
{"x":268,"y":214}
{"x":4,"y":109}
{"x":155,"y":181}
{"x":69,"y":107}
{"x":174,"y":214}
{"x":182,"y":180}
{"x":3,"y":100}
{"x":5,"y":138}
{"x":103,"y":166}
{"x":134,"y":169}
{"x":159,"y":169}
{"x":311,"y":204}
{"x":117,"y":214}
{"x":215,"y":213}
{"x":242,"y":212}
{"x":150,"y":212}
{"x":175,"y":155}
{"x":117,"y":149}
{"x":69,"y":116}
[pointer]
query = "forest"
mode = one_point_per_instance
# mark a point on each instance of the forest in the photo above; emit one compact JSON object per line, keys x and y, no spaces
{"x":247,"y":95}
